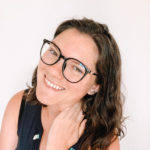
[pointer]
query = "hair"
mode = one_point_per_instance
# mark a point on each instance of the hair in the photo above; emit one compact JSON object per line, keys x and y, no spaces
{"x":103,"y":110}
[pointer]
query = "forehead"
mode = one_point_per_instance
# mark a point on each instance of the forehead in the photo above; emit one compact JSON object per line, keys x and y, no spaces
{"x":77,"y":45}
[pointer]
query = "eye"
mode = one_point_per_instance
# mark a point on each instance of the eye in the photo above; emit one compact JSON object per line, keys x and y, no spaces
{"x":77,"y":69}
{"x":53,"y":52}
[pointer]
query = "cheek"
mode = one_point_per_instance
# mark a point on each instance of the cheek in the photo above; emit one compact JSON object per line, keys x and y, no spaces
{"x":81,"y":89}
{"x":40,"y":76}
{"x":40,"y":70}
{"x":40,"y":66}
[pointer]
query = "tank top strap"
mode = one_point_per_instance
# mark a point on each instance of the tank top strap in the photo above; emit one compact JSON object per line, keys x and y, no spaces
{"x":23,"y":101}
{"x":30,"y":126}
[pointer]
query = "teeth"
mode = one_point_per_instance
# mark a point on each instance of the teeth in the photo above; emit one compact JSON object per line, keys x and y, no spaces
{"x":53,"y":85}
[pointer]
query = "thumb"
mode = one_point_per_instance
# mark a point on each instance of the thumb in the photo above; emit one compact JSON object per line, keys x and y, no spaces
{"x":82,"y":127}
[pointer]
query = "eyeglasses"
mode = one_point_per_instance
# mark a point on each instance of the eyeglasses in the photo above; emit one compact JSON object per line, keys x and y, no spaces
{"x":73,"y":70}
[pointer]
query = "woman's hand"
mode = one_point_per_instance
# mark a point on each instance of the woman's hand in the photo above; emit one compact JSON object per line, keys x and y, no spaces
{"x":66,"y":128}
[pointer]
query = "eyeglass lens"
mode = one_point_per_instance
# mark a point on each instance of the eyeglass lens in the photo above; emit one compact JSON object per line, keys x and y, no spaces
{"x":73,"y":70}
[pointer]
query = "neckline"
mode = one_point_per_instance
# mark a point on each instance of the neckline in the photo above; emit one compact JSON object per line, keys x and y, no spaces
{"x":40,"y":117}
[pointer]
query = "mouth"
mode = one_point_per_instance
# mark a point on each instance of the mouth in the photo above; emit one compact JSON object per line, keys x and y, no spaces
{"x":50,"y":84}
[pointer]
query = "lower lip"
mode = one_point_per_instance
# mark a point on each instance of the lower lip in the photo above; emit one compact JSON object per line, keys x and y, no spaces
{"x":50,"y":86}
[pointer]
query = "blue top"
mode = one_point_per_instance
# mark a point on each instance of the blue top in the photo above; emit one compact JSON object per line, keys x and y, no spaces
{"x":30,"y":127}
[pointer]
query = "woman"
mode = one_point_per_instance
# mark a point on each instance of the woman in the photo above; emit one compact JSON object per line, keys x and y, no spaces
{"x":75,"y":99}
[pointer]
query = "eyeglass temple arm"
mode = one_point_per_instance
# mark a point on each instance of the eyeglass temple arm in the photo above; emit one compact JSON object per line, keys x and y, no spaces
{"x":94,"y":73}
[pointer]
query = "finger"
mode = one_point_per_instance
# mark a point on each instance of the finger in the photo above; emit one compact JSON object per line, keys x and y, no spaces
{"x":64,"y":112}
{"x":71,"y":112}
{"x":74,"y":111}
{"x":82,"y":127}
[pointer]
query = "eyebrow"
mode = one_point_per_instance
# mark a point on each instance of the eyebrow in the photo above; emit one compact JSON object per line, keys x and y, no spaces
{"x":79,"y":63}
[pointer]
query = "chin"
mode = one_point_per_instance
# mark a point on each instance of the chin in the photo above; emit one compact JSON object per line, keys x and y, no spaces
{"x":42,"y":98}
{"x":39,"y":96}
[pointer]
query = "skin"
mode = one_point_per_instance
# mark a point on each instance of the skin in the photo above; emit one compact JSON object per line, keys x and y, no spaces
{"x":64,"y":108}
{"x":80,"y":46}
{"x":76,"y":45}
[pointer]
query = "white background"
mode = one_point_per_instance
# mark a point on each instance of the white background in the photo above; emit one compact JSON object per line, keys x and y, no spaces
{"x":24,"y":24}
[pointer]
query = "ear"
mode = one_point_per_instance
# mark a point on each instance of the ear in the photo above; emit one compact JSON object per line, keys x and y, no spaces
{"x":94,"y":89}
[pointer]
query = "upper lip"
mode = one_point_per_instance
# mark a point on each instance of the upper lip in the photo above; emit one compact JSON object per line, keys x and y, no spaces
{"x":54,"y":82}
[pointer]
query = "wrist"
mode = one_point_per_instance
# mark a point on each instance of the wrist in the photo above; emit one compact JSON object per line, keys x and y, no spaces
{"x":56,"y":146}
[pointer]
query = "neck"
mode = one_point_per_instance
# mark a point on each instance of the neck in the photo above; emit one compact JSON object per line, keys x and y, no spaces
{"x":50,"y":112}
{"x":56,"y":109}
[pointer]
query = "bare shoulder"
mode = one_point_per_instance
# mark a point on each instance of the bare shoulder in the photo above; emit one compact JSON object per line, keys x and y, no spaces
{"x":13,"y":107}
{"x":8,"y":134}
{"x":15,"y":101}
{"x":115,"y":145}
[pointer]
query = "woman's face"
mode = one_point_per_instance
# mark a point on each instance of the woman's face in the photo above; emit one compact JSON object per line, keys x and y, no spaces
{"x":73,"y":44}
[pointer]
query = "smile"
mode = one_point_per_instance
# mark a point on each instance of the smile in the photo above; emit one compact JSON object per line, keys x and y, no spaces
{"x":52,"y":85}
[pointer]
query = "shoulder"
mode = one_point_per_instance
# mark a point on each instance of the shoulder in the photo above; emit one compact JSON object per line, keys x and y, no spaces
{"x":15,"y":101}
{"x":115,"y":145}
{"x":10,"y":122}
{"x":13,"y":107}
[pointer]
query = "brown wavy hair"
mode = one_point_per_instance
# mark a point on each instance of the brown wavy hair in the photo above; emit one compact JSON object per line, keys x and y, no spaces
{"x":103,"y":110}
